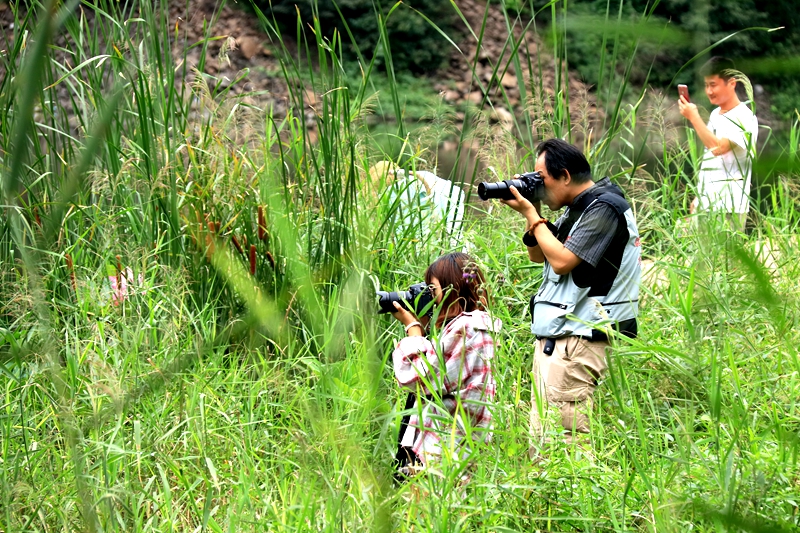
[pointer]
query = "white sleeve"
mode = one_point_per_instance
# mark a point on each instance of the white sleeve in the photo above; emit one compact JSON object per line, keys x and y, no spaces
{"x":737,"y":129}
{"x":447,"y":196}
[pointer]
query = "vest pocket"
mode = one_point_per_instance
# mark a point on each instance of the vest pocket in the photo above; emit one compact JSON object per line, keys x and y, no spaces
{"x":548,"y":317}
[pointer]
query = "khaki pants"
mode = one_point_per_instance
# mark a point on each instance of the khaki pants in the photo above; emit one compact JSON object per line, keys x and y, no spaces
{"x":564,"y":382}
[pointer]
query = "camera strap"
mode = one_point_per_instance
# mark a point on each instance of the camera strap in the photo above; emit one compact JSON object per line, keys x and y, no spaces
{"x":410,"y":400}
{"x":405,"y":456}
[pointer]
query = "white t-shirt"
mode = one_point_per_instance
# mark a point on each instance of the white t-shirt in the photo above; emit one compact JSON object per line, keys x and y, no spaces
{"x":422,"y":212}
{"x":724,"y":181}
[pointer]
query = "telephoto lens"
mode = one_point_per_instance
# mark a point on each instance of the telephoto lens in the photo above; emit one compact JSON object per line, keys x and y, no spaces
{"x":386,"y":300}
{"x":499,"y":191}
{"x":530,"y":185}
{"x":418,"y":299}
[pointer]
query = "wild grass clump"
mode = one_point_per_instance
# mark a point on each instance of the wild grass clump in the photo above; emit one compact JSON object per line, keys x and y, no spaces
{"x":188,"y":335}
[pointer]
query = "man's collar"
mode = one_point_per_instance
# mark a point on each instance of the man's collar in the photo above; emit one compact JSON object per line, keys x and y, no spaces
{"x":604,"y":182}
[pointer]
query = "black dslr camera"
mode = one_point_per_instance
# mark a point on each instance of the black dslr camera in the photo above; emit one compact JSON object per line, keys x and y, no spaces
{"x":418,"y":299}
{"x":530,"y":185}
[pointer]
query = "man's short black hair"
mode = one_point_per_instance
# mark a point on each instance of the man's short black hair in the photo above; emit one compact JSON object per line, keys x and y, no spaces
{"x":560,"y":156}
{"x":716,"y":66}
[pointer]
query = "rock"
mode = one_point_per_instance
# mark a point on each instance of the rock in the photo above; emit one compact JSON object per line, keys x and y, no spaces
{"x":504,"y":117}
{"x":509,"y":81}
{"x":475,"y":97}
{"x":310,"y":98}
{"x":449,"y":146}
{"x":310,"y":119}
{"x":249,"y":46}
{"x":211,"y":65}
{"x":451,"y":96}
{"x":501,"y":114}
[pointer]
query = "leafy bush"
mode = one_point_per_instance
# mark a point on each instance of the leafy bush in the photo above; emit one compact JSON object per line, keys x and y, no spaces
{"x":416,"y":46}
{"x":786,"y":101}
{"x":667,"y":34}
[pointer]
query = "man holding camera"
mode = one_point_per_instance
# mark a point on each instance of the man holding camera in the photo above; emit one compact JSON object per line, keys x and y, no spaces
{"x":590,"y":284}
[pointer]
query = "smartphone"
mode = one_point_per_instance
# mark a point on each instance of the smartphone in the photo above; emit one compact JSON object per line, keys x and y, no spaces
{"x":683,"y":90}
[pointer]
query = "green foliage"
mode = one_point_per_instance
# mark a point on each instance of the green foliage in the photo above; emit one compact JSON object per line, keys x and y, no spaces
{"x":713,"y":20}
{"x":786,"y":101}
{"x":416,"y":46}
{"x":662,"y":37}
{"x":211,"y":399}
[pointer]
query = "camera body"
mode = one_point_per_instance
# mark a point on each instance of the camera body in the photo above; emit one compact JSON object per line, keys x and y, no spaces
{"x":530,"y":185}
{"x":418,"y":299}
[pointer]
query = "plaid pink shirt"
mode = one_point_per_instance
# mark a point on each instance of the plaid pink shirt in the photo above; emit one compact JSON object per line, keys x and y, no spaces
{"x":456,"y":380}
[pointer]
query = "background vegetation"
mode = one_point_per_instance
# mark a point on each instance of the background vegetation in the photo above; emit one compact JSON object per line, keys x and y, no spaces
{"x":679,"y":31}
{"x":242,"y":383}
{"x":363,"y":23}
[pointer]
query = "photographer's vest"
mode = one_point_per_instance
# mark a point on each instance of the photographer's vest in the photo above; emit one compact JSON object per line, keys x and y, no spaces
{"x":603,"y":296}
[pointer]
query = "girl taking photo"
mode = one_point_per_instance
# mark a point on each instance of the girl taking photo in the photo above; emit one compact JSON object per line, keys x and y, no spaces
{"x":445,"y":361}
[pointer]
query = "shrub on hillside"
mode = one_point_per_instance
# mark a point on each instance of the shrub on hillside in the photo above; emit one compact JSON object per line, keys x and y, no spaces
{"x":415,"y":45}
{"x":635,"y":27}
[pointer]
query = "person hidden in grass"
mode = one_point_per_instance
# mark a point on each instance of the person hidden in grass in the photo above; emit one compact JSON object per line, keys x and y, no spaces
{"x":590,"y":285}
{"x":445,"y":361}
{"x":723,"y":182}
{"x":423,"y":205}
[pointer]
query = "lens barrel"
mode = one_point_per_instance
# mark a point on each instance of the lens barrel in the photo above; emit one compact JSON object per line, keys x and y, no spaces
{"x":386,"y":300}
{"x":498,"y":190}
{"x":529,"y":185}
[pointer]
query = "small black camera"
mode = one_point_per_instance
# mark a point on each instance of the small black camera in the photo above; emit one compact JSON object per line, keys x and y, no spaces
{"x":418,"y":299}
{"x":530,"y":185}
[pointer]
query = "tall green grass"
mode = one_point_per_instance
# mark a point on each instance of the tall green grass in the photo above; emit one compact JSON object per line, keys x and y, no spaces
{"x":216,"y":399}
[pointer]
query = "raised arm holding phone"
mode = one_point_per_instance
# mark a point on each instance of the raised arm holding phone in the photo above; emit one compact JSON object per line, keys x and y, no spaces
{"x":729,"y":137}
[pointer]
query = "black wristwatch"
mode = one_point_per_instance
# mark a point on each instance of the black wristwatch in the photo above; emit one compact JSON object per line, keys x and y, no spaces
{"x":529,"y":240}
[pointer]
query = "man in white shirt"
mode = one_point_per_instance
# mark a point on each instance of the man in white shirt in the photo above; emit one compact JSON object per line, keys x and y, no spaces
{"x":730,"y":140}
{"x":424,"y":204}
